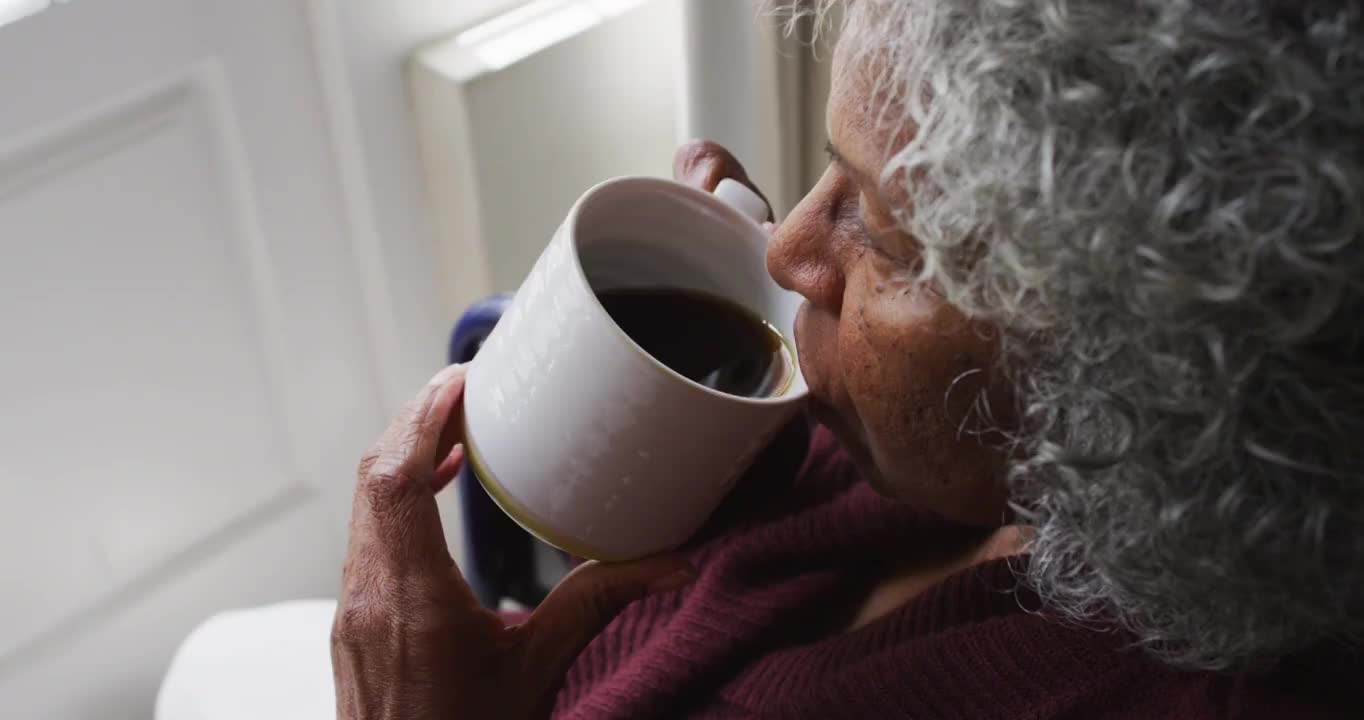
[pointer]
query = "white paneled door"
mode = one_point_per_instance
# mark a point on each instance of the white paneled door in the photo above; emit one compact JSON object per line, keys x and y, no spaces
{"x":185,"y":375}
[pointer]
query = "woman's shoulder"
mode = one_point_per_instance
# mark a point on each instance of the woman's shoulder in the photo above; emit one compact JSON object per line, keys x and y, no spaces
{"x":1006,"y":659}
{"x":1285,"y":691}
{"x":1107,"y":677}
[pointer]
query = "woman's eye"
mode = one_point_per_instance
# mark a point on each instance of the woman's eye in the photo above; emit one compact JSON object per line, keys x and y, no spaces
{"x":850,"y":217}
{"x":884,"y":238}
{"x":850,"y":213}
{"x":874,"y":237}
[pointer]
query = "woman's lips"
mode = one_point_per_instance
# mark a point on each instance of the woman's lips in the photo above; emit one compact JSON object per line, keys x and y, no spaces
{"x":819,"y":401}
{"x":806,"y":370}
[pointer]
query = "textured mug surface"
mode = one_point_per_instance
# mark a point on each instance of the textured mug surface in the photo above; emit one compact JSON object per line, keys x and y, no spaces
{"x":577,"y":433}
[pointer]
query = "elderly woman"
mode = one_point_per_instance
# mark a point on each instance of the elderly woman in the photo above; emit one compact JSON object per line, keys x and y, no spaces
{"x":1084,"y":288}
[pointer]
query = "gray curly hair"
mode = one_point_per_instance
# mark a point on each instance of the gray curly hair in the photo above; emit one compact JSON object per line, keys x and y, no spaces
{"x":1160,"y":204}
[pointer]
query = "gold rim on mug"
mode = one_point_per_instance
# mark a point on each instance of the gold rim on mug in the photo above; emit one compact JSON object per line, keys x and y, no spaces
{"x":518,"y":512}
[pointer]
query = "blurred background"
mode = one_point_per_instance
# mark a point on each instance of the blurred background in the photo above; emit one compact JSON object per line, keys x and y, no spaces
{"x":236,"y":235}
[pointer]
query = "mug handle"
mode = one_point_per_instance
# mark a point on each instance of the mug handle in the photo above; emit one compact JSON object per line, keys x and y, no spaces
{"x":500,"y":556}
{"x":738,"y":196}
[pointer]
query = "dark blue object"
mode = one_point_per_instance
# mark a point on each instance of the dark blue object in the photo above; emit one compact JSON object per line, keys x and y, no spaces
{"x":501,"y":557}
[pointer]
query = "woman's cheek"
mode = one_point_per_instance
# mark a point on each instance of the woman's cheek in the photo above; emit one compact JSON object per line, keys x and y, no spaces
{"x":912,"y":346}
{"x":879,"y":348}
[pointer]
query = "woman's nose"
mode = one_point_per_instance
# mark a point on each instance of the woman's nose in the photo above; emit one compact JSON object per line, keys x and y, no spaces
{"x":801,"y":256}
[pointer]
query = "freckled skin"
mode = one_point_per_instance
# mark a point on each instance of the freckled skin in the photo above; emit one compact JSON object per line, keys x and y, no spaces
{"x":880,"y":352}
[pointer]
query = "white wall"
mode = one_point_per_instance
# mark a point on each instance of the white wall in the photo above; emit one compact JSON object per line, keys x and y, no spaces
{"x":374,"y":38}
{"x":362,"y":48}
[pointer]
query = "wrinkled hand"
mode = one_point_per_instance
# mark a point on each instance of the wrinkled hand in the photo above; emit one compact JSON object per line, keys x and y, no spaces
{"x":409,"y":640}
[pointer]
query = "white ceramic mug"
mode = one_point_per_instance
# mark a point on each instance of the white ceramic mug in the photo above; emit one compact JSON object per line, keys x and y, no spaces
{"x":581,"y":436}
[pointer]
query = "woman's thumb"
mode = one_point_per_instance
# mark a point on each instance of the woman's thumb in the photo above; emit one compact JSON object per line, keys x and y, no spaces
{"x":589,"y":598}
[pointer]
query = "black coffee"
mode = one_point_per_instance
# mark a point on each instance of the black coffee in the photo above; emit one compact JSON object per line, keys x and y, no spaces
{"x":704,"y":338}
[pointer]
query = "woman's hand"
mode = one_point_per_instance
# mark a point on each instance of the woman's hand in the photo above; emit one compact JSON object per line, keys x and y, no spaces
{"x":409,"y":640}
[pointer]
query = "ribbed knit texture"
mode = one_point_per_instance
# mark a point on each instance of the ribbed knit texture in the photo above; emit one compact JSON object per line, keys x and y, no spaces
{"x":781,"y":564}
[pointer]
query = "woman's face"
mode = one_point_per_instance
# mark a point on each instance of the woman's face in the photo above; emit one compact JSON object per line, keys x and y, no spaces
{"x":881,"y":353}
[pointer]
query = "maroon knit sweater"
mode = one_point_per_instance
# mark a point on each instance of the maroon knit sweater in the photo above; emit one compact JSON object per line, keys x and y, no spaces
{"x":783,"y":562}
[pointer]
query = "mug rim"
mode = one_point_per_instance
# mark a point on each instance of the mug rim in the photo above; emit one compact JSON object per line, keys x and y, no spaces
{"x":787,"y":396}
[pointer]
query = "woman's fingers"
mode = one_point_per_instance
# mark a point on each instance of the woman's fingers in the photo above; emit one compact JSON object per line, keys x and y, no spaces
{"x":448,"y":468}
{"x":427,"y":422}
{"x":449,"y":450}
{"x":395,"y":508}
{"x":703,"y":164}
